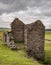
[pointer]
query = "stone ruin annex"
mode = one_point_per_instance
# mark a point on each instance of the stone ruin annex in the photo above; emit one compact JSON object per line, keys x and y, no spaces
{"x":9,"y":40}
{"x":33,"y":36}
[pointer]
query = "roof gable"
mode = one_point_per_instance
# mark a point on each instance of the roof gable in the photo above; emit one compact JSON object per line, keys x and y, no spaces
{"x":17,"y":22}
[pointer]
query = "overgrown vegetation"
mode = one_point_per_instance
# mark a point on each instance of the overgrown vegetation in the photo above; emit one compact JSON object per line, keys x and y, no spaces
{"x":47,"y":60}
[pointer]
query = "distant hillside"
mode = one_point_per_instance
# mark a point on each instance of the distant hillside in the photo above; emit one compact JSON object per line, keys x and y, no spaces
{"x":5,"y":29}
{"x":48,"y":29}
{"x":9,"y":29}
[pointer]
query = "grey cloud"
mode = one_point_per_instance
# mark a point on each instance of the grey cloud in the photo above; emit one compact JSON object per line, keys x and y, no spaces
{"x":4,"y":24}
{"x":16,"y":5}
{"x":7,"y":1}
{"x":9,"y":6}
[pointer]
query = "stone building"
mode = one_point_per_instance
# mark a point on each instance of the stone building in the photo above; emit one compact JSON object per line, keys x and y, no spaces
{"x":17,"y":30}
{"x":34,"y":39}
{"x":33,"y":35}
{"x":9,"y":40}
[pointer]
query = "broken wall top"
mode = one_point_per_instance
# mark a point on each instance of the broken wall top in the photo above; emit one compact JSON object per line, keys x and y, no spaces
{"x":37,"y":24}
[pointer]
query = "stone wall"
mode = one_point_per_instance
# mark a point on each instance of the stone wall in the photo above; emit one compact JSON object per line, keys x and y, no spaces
{"x":4,"y":37}
{"x":9,"y":40}
{"x":17,"y":30}
{"x":34,"y":39}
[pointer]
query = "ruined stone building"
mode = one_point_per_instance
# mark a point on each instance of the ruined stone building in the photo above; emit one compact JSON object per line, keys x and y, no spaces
{"x":17,"y":30}
{"x":34,"y":39}
{"x":32,"y":34}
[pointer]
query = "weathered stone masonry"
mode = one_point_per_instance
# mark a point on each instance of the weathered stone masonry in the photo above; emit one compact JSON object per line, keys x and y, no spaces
{"x":17,"y":30}
{"x":34,"y":39}
{"x":9,"y":40}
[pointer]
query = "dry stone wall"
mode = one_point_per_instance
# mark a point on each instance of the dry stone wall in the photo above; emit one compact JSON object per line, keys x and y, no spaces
{"x":9,"y":40}
{"x":34,"y":39}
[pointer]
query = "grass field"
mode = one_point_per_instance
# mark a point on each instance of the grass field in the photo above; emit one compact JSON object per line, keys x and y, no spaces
{"x":1,"y":33}
{"x":10,"y":57}
{"x":48,"y":35}
{"x":47,"y":60}
{"x":19,"y":57}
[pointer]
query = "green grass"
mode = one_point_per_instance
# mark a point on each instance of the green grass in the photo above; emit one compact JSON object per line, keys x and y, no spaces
{"x":48,"y":35}
{"x":47,"y":60}
{"x":18,"y":57}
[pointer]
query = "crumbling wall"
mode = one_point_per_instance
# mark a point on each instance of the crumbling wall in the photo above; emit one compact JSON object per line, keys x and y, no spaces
{"x":9,"y":40}
{"x":4,"y":37}
{"x":34,"y":39}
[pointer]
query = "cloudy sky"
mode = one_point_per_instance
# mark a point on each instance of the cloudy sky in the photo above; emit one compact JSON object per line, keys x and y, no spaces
{"x":26,"y":10}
